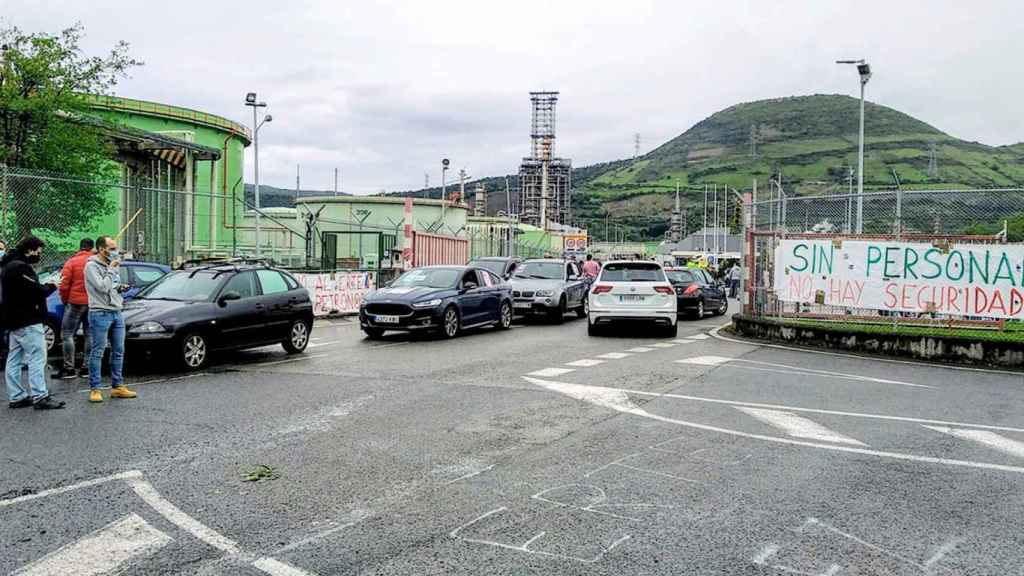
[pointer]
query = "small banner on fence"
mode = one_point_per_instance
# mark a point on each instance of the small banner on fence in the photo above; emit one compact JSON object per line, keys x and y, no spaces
{"x":981,"y":280}
{"x":337,"y":292}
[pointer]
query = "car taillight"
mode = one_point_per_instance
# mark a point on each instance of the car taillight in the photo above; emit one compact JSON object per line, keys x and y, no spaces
{"x":664,"y":289}
{"x":692,"y":289}
{"x":601,"y":289}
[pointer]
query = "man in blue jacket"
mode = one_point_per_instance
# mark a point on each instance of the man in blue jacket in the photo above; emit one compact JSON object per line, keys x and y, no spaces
{"x":24,"y":312}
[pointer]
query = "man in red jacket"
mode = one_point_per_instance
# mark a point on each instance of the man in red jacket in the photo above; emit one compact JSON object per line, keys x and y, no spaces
{"x":76,"y":306}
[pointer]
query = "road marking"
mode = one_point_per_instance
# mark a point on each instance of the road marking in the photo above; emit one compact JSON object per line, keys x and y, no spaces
{"x":614,"y":355}
{"x":101,"y":552}
{"x":684,"y":341}
{"x":766,"y":553}
{"x":470,"y":475}
{"x":585,"y":363}
{"x":705,"y":360}
{"x":153,"y":381}
{"x":72,"y":487}
{"x":287,"y":360}
{"x":640,"y":349}
{"x":278,"y":568}
{"x":798,"y":426}
{"x":616,"y":399}
{"x":699,"y":337}
{"x":389,"y":345}
{"x":175,"y":516}
{"x":548,"y":372}
{"x":988,"y":438}
{"x":319,"y":344}
{"x":663,"y":345}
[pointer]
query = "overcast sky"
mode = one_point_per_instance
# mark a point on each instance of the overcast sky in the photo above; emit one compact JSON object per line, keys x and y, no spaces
{"x":384,"y":89}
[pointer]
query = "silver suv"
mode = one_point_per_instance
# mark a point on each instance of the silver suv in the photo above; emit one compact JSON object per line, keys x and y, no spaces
{"x":551,"y":288}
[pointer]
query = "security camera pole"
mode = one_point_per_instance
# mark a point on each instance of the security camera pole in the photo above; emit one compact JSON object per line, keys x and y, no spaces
{"x":250,"y":100}
{"x":864,"y":70}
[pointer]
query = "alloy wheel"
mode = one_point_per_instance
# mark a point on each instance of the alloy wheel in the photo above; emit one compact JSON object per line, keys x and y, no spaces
{"x":195,"y":351}
{"x":506,"y":315}
{"x":451,"y":323}
{"x":300,"y":335}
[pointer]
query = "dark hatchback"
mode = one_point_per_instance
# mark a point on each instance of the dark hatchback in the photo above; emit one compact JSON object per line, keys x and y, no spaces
{"x":443,"y":299}
{"x":697,"y":293}
{"x":188,"y":314}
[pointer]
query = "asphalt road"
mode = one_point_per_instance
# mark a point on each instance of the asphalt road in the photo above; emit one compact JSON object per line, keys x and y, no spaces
{"x":534,"y":451}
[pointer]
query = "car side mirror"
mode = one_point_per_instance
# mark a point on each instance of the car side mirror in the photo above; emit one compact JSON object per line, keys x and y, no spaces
{"x":573,"y":277}
{"x":227,"y":297}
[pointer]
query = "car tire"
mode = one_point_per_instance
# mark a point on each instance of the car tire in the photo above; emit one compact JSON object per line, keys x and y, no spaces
{"x":373,"y":333}
{"x":193,"y":351}
{"x":298,"y":337}
{"x":51,"y":336}
{"x":672,"y":331}
{"x":504,"y":316}
{"x":558,"y":315}
{"x":450,"y":323}
{"x":721,"y":310}
{"x":593,"y":329}
{"x":698,"y":312}
{"x":584,"y":310}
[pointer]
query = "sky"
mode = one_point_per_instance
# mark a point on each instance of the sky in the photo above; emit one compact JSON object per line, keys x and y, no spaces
{"x":384,"y":90}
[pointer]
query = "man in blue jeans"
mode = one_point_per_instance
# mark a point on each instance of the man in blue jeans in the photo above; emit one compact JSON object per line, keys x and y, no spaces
{"x":24,"y":311}
{"x":102,"y":283}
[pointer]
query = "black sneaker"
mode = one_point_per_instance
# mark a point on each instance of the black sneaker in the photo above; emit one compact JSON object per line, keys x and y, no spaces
{"x":23,"y":403}
{"x":63,"y":374}
{"x":47,"y":404}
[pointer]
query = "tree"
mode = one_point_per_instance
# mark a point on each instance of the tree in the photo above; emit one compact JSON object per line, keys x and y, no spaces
{"x":45,"y":85}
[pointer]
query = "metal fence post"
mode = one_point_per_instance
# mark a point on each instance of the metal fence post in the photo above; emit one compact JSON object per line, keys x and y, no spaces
{"x":3,"y":198}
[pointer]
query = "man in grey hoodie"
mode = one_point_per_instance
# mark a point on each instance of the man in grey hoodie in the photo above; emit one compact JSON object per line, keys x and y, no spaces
{"x":102,"y":283}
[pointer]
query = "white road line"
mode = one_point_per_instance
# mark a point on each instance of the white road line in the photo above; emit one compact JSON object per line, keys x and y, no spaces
{"x":616,"y":399}
{"x":175,"y":516}
{"x":87,"y":484}
{"x":613,"y":355}
{"x":640,"y":349}
{"x":277,"y":568}
{"x":288,"y":360}
{"x":704,"y":360}
{"x":548,"y":372}
{"x":699,"y":337}
{"x":798,"y":426}
{"x":319,"y":344}
{"x":986,"y":437}
{"x":470,"y":475}
{"x":663,"y":345}
{"x":766,"y":553}
{"x":684,"y":341}
{"x":153,"y":381}
{"x":389,"y":345}
{"x":101,"y":552}
{"x":585,"y":363}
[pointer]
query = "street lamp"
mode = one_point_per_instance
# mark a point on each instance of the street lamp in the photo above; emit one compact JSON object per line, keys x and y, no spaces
{"x":250,"y":100}
{"x":864,"y":70}
{"x":444,"y":184}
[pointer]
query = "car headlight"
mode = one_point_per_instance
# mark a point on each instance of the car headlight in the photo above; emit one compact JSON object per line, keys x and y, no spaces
{"x":149,"y":327}
{"x":544,"y":293}
{"x":427,"y":303}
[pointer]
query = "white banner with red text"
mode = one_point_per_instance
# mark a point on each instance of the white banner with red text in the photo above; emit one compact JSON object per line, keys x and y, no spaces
{"x":337,"y":292}
{"x":975,"y":280}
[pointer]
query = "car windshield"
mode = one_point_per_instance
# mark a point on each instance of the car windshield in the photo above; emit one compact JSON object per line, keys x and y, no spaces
{"x":428,"y":277}
{"x":632,"y":272}
{"x":683,"y":276}
{"x":184,"y":285}
{"x":496,"y":267}
{"x":541,"y":270}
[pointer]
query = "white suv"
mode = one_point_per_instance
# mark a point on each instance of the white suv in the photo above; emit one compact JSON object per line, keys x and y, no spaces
{"x":632,"y":291}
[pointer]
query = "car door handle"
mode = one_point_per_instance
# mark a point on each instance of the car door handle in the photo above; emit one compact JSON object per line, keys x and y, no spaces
{"x":259,"y":306}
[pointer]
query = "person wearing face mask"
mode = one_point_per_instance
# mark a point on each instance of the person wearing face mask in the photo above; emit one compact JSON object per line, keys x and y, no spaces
{"x":106,"y":324}
{"x":24,"y":311}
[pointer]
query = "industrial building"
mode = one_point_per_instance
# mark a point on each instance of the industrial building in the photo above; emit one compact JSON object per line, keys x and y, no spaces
{"x":545,"y":181}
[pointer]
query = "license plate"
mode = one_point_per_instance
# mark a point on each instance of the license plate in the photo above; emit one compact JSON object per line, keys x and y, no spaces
{"x":630,"y":298}
{"x":522,"y":306}
{"x":387,"y":319}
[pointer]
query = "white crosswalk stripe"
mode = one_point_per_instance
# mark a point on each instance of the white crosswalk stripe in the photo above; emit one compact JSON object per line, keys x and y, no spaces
{"x":585,"y":363}
{"x":798,"y":426}
{"x":704,"y":360}
{"x":613,"y":355}
{"x":684,"y":341}
{"x":104,"y":551}
{"x":699,"y":337}
{"x":663,"y":345}
{"x":640,"y":349}
{"x":985,"y":437}
{"x":548,"y":372}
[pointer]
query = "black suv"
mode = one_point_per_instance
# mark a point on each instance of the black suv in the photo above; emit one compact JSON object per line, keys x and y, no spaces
{"x":189,"y":313}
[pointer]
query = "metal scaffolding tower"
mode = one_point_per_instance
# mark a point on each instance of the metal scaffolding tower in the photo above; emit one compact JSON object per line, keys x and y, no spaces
{"x":545,"y":182}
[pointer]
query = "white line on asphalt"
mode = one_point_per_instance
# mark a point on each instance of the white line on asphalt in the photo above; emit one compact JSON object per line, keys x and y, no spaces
{"x":175,"y":516}
{"x":277,"y":568}
{"x":766,"y":553}
{"x":319,"y":344}
{"x":585,"y":363}
{"x":718,"y":360}
{"x":704,"y":360}
{"x":663,"y":345}
{"x":548,"y":372}
{"x":698,"y":337}
{"x":72,"y":487}
{"x":941,"y":552}
{"x":986,"y":437}
{"x":101,"y":552}
{"x":640,"y":349}
{"x":154,"y":381}
{"x":470,"y":475}
{"x":616,"y":399}
{"x":358,"y":516}
{"x":613,"y":355}
{"x":287,"y":360}
{"x":797,"y":426}
{"x":684,"y":341}
{"x":717,"y":334}
{"x":388,"y":345}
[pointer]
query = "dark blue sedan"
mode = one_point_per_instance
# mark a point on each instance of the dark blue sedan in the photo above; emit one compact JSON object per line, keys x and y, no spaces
{"x":135,"y":274}
{"x":443,"y":299}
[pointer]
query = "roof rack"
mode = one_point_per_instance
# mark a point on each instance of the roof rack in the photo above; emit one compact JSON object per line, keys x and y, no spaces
{"x":235,"y":263}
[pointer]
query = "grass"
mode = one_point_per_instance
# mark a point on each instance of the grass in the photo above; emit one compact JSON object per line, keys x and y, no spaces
{"x":1013,"y":332}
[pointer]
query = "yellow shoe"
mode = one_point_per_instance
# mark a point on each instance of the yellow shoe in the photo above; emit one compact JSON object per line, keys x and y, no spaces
{"x":95,"y":396}
{"x":122,"y":392}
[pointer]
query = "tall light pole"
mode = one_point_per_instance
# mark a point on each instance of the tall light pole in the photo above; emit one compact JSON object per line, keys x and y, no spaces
{"x":444,"y":184}
{"x":250,"y":100}
{"x":864,"y":70}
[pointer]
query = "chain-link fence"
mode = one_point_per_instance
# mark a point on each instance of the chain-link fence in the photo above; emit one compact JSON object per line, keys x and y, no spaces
{"x":916,"y":262}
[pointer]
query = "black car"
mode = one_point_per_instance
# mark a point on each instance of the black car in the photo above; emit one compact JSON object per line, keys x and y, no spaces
{"x":188,"y":314}
{"x":444,"y":299}
{"x":697,"y":293}
{"x":501,"y":266}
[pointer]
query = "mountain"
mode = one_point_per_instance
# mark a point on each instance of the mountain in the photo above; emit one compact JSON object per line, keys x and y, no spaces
{"x":273,"y":197}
